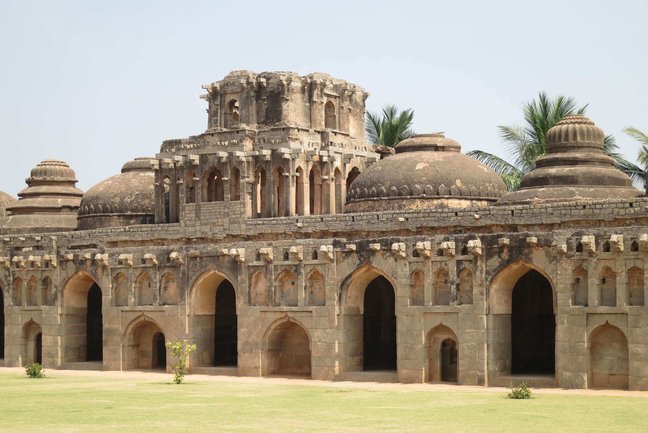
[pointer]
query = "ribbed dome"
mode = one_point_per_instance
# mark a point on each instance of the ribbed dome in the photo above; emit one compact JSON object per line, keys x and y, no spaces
{"x":428,"y":171}
{"x":574,"y":168}
{"x":5,"y":200}
{"x":49,"y":203}
{"x":122,"y":200}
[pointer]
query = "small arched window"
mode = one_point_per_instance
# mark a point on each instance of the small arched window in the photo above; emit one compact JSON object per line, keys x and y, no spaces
{"x":330,"y":119}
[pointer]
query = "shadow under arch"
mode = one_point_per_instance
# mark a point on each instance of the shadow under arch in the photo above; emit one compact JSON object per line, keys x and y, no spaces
{"x":214,"y":320}
{"x":286,"y":349}
{"x":82,"y":319}
{"x":367,"y":299}
{"x":443,"y":354}
{"x":608,"y":358}
{"x":142,"y":347}
{"x":522,"y":305}
{"x":32,"y":343}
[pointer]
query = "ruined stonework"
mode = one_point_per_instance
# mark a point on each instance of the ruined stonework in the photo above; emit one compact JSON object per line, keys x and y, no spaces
{"x":281,"y":244}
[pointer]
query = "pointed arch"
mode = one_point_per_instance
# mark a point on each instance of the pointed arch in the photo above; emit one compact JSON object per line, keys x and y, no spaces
{"x":580,"y":287}
{"x":190,"y":187}
{"x":441,"y":284}
{"x":144,"y":292}
{"x":235,"y":184}
{"x":286,"y":289}
{"x":465,"y":286}
{"x":32,"y":343}
{"x":213,"y":187}
{"x":608,"y":358}
{"x":46,"y":291}
{"x":417,"y":290}
{"x":635,"y":286}
{"x":286,"y":349}
{"x":351,"y":176}
{"x":259,"y":289}
{"x":141,"y":343}
{"x":82,"y":319}
{"x":32,"y":291}
{"x":300,"y":188}
{"x":315,"y":190}
{"x":120,"y":290}
{"x":330,"y":116}
{"x":315,"y":288}
{"x":280,"y":207}
{"x":169,"y":293}
{"x":17,"y":292}
{"x":442,"y":354}
{"x":607,"y":285}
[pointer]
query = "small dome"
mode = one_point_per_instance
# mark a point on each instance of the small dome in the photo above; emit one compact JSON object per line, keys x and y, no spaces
{"x":5,"y":200}
{"x":121,"y":200}
{"x":49,"y":203}
{"x":574,"y":168}
{"x":428,"y":171}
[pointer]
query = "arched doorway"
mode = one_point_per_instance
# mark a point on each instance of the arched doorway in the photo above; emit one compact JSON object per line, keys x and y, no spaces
{"x":145,"y":346}
{"x":379,"y":326}
{"x":2,"y":308}
{"x":608,"y":358}
{"x":214,"y":321}
{"x":443,"y":354}
{"x":287,"y":350}
{"x":533,"y":325}
{"x":32,"y":347}
{"x":225,"y":326}
{"x":83,"y":320}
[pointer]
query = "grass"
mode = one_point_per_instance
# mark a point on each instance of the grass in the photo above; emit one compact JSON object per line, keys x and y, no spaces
{"x":96,"y":404}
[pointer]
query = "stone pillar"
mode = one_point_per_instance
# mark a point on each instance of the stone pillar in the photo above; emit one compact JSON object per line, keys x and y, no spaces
{"x":621,"y":283}
{"x":593,"y":292}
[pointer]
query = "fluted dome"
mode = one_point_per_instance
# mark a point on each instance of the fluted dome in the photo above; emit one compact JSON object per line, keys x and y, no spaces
{"x":49,"y":203}
{"x":574,"y":168}
{"x":428,"y":171}
{"x":122,"y":200}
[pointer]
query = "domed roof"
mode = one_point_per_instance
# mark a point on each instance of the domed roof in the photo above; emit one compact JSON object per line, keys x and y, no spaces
{"x":49,"y":203}
{"x":5,"y":200}
{"x":124,"y":199}
{"x":574,"y":168}
{"x":428,"y":171}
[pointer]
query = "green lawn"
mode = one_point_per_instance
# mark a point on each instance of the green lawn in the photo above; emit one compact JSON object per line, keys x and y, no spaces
{"x":95,"y":404}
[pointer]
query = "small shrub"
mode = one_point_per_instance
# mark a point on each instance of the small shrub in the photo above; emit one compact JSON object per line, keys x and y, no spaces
{"x":520,"y":392}
{"x":180,"y":350}
{"x":35,"y":370}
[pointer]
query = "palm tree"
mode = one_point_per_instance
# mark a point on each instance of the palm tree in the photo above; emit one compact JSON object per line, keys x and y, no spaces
{"x":643,"y":152}
{"x":390,"y":127}
{"x":528,"y":144}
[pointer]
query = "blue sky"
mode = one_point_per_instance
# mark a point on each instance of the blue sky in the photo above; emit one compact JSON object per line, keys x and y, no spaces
{"x":99,"y":83}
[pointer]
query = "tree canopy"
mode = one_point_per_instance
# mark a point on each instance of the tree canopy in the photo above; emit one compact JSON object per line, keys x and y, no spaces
{"x":390,"y":127}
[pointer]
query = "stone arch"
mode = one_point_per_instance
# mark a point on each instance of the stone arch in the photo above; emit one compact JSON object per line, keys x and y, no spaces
{"x":144,"y":345}
{"x":279,"y":193}
{"x":32,"y":343}
{"x":441,"y":284}
{"x":169,"y":293}
{"x":287,"y":349}
{"x":214,"y":320}
{"x":315,"y":288}
{"x":580,"y":287}
{"x":235,"y":184}
{"x":300,"y":188}
{"x":608,"y":358}
{"x":120,"y":290}
{"x":417,"y":290}
{"x":522,"y":305}
{"x":259,"y":197}
{"x":330,"y":115}
{"x":286,"y":290}
{"x":465,"y":286}
{"x":607,"y":286}
{"x":46,"y":291}
{"x":232,"y":114}
{"x":32,"y":291}
{"x":635,"y":285}
{"x":442,"y":354}
{"x":351,"y":176}
{"x":17,"y":292}
{"x":82,"y":319}
{"x":259,"y":289}
{"x":370,"y":335}
{"x":213,"y":186}
{"x":315,"y":190}
{"x":190,"y":187}
{"x":144,"y":292}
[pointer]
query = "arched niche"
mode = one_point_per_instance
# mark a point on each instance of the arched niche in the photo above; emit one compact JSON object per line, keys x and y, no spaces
{"x":144,"y":345}
{"x":608,"y":358}
{"x":315,"y":288}
{"x":443,"y":355}
{"x":287,"y":350}
{"x":32,"y":343}
{"x":82,"y":319}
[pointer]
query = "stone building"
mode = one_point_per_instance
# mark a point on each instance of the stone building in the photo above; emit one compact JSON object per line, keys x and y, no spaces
{"x":281,"y":244}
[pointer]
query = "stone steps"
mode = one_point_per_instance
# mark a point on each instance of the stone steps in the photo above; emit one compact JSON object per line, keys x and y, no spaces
{"x":93,"y":365}
{"x":371,"y":376}
{"x":534,"y":381}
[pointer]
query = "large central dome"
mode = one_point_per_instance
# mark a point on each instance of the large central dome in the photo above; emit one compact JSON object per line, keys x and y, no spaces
{"x":428,"y":171}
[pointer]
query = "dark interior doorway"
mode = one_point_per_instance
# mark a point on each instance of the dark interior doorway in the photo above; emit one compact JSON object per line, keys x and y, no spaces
{"x":225,"y":326}
{"x":449,"y":360}
{"x":94,"y":325}
{"x":379,"y":326}
{"x":38,"y":352}
{"x":1,"y":324}
{"x":159,"y":346}
{"x":533,"y":326}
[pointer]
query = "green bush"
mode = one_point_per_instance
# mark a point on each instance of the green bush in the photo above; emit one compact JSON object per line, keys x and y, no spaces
{"x":520,"y":392}
{"x":35,"y":370}
{"x":180,"y":351}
